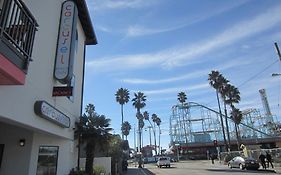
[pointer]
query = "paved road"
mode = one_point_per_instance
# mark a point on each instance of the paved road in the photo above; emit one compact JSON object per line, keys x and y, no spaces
{"x":193,"y":168}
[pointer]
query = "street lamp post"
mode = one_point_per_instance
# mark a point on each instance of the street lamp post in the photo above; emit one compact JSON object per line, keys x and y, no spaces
{"x":177,"y":145}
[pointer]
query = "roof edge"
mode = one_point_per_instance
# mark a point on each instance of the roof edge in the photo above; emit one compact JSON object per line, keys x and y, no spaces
{"x":84,"y":17}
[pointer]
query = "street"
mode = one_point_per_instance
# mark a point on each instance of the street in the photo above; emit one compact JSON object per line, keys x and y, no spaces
{"x":194,"y":168}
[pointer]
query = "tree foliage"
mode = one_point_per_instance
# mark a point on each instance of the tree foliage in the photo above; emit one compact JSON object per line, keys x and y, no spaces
{"x":126,"y":127}
{"x":93,"y":129}
{"x":182,"y":97}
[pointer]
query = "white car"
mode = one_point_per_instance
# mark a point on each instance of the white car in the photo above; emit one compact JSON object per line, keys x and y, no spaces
{"x":164,"y":161}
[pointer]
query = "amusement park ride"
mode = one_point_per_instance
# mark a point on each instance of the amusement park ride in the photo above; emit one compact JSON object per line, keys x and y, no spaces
{"x":195,"y":128}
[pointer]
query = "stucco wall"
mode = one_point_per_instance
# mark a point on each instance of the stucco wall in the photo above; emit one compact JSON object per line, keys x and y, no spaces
{"x":67,"y":155}
{"x":15,"y":158}
{"x":17,"y":101}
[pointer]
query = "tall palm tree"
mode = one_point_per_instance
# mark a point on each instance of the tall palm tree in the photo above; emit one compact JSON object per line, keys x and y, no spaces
{"x":223,"y":89}
{"x":154,"y":118}
{"x":122,"y":97}
{"x":236,"y":116}
{"x":232,"y":96}
{"x":139,"y":103}
{"x":126,"y":127}
{"x":146,"y":117}
{"x":182,"y":98}
{"x":158,"y":123}
{"x":93,"y":130}
{"x":215,"y":83}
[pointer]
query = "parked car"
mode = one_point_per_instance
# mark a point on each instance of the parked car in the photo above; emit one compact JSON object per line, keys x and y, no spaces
{"x":164,"y":161}
{"x":244,"y":163}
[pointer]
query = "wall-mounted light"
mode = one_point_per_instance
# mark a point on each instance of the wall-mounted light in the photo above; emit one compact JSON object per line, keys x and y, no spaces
{"x":22,"y":142}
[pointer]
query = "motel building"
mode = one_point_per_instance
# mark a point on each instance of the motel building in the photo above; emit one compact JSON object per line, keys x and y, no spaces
{"x":42,"y":60}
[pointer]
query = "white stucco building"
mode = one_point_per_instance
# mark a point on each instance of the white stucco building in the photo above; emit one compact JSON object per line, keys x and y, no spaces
{"x":42,"y":57}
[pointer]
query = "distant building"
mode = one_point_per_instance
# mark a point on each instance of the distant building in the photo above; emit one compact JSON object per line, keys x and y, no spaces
{"x":42,"y":58}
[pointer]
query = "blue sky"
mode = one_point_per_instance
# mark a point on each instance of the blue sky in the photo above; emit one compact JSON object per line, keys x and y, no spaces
{"x":163,"y":47}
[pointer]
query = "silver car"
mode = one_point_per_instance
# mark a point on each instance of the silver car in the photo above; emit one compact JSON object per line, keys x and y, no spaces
{"x":243,"y":163}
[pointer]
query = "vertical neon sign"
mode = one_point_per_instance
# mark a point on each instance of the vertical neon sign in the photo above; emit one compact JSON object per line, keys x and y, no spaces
{"x":66,"y":42}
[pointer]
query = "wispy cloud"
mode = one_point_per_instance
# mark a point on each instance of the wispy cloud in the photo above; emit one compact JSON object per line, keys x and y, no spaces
{"x":175,"y":90}
{"x":192,"y":75}
{"x":180,"y":56}
{"x":167,"y":80}
{"x":102,"y":5}
{"x":141,"y":30}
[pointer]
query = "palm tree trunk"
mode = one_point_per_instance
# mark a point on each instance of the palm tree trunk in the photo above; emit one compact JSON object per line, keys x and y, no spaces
{"x":154,"y":132}
{"x":122,"y":120}
{"x":139,"y":129}
{"x":90,"y":148}
{"x":226,"y":124}
{"x":237,"y":136}
{"x":222,"y":125}
{"x":159,"y":140}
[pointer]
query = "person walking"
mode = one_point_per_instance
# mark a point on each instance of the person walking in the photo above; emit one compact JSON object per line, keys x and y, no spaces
{"x":269,"y":159}
{"x":212,"y":158}
{"x":262,"y":159}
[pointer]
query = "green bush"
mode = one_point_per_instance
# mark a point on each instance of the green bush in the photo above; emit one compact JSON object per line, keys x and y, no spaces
{"x":98,"y":169}
{"x":77,"y":172}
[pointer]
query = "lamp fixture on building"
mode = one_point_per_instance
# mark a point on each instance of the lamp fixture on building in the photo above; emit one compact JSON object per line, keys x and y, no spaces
{"x":22,"y":142}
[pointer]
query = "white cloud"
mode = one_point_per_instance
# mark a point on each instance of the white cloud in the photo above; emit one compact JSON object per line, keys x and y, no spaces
{"x":167,"y":80}
{"x":192,"y":75}
{"x":103,"y":5}
{"x":176,"y":90}
{"x":180,"y":56}
{"x":174,"y":24}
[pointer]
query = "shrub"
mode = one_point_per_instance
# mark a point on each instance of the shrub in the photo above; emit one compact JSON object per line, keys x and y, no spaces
{"x":77,"y":172}
{"x":98,"y":169}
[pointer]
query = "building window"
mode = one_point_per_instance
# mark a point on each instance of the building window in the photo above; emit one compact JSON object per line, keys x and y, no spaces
{"x":47,"y":160}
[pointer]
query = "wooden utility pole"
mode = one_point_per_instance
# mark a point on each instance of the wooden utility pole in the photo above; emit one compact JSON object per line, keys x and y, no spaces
{"x":278,"y":51}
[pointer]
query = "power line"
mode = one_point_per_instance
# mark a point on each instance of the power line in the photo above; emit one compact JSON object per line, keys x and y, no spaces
{"x":254,"y":76}
{"x":251,"y":78}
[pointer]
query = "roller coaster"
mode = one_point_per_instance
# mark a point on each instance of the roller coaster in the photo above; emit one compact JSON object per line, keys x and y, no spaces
{"x":193,"y":125}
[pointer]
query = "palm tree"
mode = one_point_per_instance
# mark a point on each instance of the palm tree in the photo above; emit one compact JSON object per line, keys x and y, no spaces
{"x":158,"y":122}
{"x":93,"y":130}
{"x":232,"y":95}
{"x":182,"y":98}
{"x":139,"y":103}
{"x":215,"y":83}
{"x":126,"y":127}
{"x":223,"y":90}
{"x":236,"y":116}
{"x":122,"y":97}
{"x":153,"y":117}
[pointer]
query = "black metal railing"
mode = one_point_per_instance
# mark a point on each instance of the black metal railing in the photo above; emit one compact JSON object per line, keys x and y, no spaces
{"x":18,"y":27}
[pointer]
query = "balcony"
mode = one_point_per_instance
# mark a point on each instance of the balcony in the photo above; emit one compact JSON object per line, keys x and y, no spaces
{"x":17,"y":32}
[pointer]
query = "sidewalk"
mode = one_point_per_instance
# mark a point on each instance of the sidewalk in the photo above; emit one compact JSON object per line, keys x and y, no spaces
{"x":138,"y":171}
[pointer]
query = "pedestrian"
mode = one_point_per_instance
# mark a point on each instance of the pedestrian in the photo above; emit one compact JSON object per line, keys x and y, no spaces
{"x":262,"y":159}
{"x":269,"y":159}
{"x":213,"y":158}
